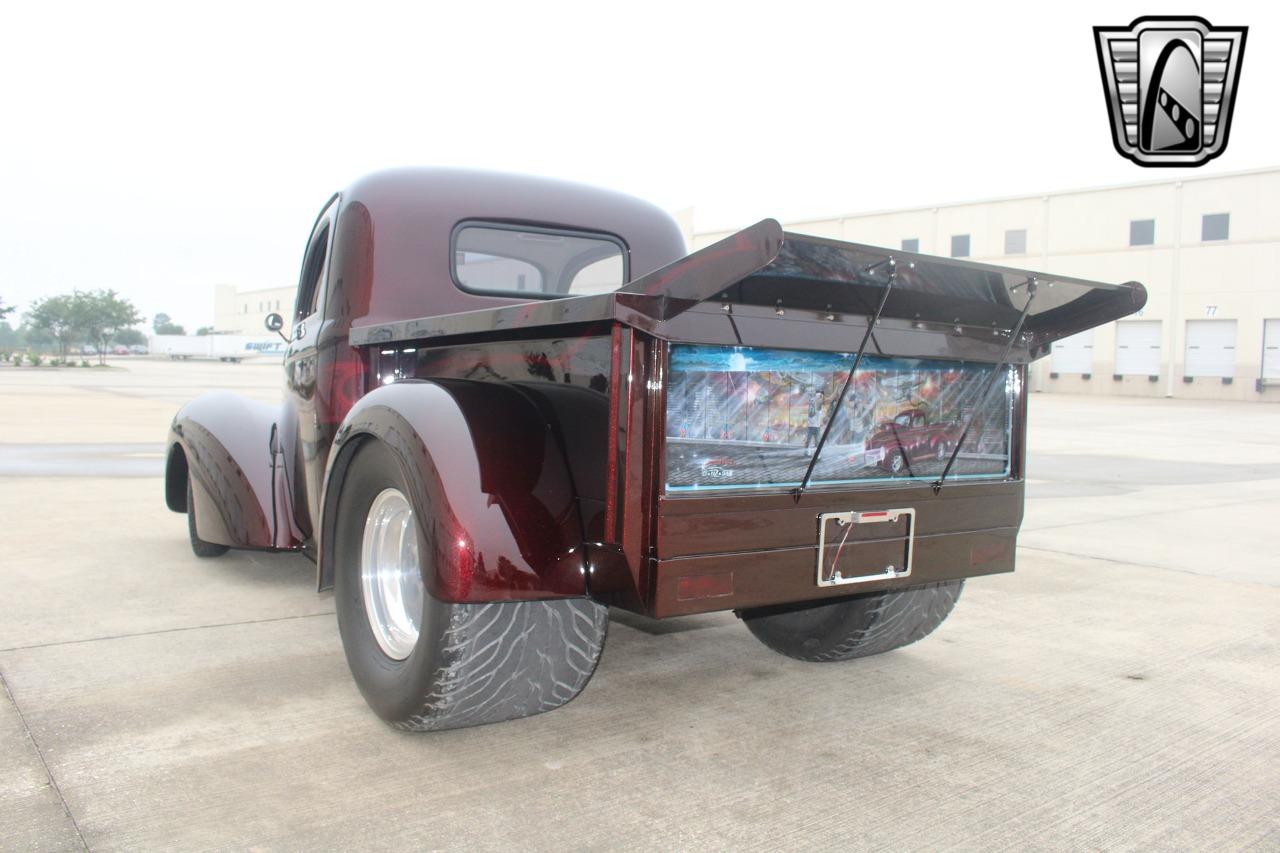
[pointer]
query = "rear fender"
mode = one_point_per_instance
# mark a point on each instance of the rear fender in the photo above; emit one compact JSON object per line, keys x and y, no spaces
{"x":224,"y":442}
{"x":497,"y":513}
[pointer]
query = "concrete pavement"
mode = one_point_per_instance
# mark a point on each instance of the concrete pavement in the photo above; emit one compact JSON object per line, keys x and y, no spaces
{"x":1120,"y":691}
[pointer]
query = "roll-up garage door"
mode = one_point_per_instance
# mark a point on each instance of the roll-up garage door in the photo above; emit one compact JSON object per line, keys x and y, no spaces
{"x":1211,"y":348}
{"x":1074,"y":354}
{"x":1138,"y":348}
{"x":1271,"y":350}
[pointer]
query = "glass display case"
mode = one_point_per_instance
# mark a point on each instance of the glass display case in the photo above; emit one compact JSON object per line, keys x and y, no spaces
{"x":743,"y":417}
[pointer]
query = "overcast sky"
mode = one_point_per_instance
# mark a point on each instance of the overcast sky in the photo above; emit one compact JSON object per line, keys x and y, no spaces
{"x":159,"y":150}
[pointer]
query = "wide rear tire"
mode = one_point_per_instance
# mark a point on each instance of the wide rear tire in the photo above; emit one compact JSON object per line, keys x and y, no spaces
{"x":471,"y":664}
{"x":854,"y":627}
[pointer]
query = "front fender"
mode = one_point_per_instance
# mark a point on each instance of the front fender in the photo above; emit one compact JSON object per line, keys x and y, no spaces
{"x":223,"y":441}
{"x":491,"y":489}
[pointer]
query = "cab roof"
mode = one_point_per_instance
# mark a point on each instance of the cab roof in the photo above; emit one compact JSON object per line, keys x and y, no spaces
{"x":394,"y":229}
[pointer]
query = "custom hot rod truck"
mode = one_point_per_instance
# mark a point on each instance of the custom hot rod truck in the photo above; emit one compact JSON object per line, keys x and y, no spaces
{"x":912,"y":435}
{"x":511,"y":403}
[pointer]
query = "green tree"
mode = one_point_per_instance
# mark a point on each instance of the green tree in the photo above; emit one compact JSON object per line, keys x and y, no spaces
{"x":56,"y":317}
{"x":33,"y":337}
{"x":101,"y":315}
{"x":204,"y":330}
{"x":128,"y":338}
{"x":5,"y":310}
{"x":11,"y":338}
{"x":162,"y":324}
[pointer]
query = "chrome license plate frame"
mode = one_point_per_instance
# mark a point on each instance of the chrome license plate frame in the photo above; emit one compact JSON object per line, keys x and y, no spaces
{"x":833,"y":575}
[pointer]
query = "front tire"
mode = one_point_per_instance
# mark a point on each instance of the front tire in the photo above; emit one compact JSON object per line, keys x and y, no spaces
{"x":436,"y":665}
{"x":855,"y":627}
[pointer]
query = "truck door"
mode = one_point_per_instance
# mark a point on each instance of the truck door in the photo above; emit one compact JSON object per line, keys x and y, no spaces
{"x":300,"y":374}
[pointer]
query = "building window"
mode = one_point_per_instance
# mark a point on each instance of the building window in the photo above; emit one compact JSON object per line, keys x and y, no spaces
{"x":259,"y":307}
{"x":1142,"y":232}
{"x":1215,"y":226}
{"x":911,"y":244}
{"x":960,"y":245}
{"x":1015,"y":241}
{"x":246,"y":308}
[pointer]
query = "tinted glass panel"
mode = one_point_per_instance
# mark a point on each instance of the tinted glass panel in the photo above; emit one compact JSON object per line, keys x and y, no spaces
{"x":1215,"y":226}
{"x":1142,"y":232}
{"x":536,"y":262}
{"x":743,"y":417}
{"x":911,"y":244}
{"x":960,"y":246}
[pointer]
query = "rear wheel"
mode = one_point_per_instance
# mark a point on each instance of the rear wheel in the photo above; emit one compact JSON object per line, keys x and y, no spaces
{"x":424,"y":664}
{"x":200,"y":547}
{"x":854,"y":627}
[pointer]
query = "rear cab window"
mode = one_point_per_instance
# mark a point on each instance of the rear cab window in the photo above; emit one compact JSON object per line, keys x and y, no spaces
{"x":535,"y":262}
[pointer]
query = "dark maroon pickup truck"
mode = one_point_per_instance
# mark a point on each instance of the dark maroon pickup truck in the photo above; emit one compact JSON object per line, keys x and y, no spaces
{"x":511,"y":403}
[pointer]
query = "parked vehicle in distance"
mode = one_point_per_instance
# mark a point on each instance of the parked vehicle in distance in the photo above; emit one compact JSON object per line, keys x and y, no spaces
{"x":231,"y":348}
{"x":909,"y":437}
{"x":511,"y":403}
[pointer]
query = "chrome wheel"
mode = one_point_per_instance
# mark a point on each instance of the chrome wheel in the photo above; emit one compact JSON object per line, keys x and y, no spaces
{"x":390,"y":575}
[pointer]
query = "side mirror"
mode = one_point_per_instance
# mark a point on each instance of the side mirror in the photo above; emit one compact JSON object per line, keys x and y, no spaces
{"x":274,"y":323}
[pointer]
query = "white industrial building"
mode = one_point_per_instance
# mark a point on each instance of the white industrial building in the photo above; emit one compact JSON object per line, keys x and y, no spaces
{"x":244,"y":312}
{"x":1207,"y":248}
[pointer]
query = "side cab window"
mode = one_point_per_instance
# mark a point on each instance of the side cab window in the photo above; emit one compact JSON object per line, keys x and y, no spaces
{"x":315,"y":265}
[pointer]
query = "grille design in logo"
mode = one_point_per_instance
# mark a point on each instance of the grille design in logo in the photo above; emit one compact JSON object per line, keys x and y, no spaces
{"x":1170,"y":84}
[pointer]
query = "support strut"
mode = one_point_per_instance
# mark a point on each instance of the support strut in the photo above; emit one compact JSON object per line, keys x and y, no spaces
{"x":857,"y":359}
{"x":991,"y":381}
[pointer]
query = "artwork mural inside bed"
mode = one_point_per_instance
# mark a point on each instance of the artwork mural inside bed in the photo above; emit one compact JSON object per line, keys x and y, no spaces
{"x":743,"y":417}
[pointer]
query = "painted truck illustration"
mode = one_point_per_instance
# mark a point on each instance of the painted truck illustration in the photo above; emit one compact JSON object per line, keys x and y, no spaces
{"x":911,"y":437}
{"x":475,"y":450}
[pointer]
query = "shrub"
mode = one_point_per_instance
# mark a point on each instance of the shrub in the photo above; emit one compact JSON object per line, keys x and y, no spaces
{"x":34,"y":359}
{"x":84,"y":362}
